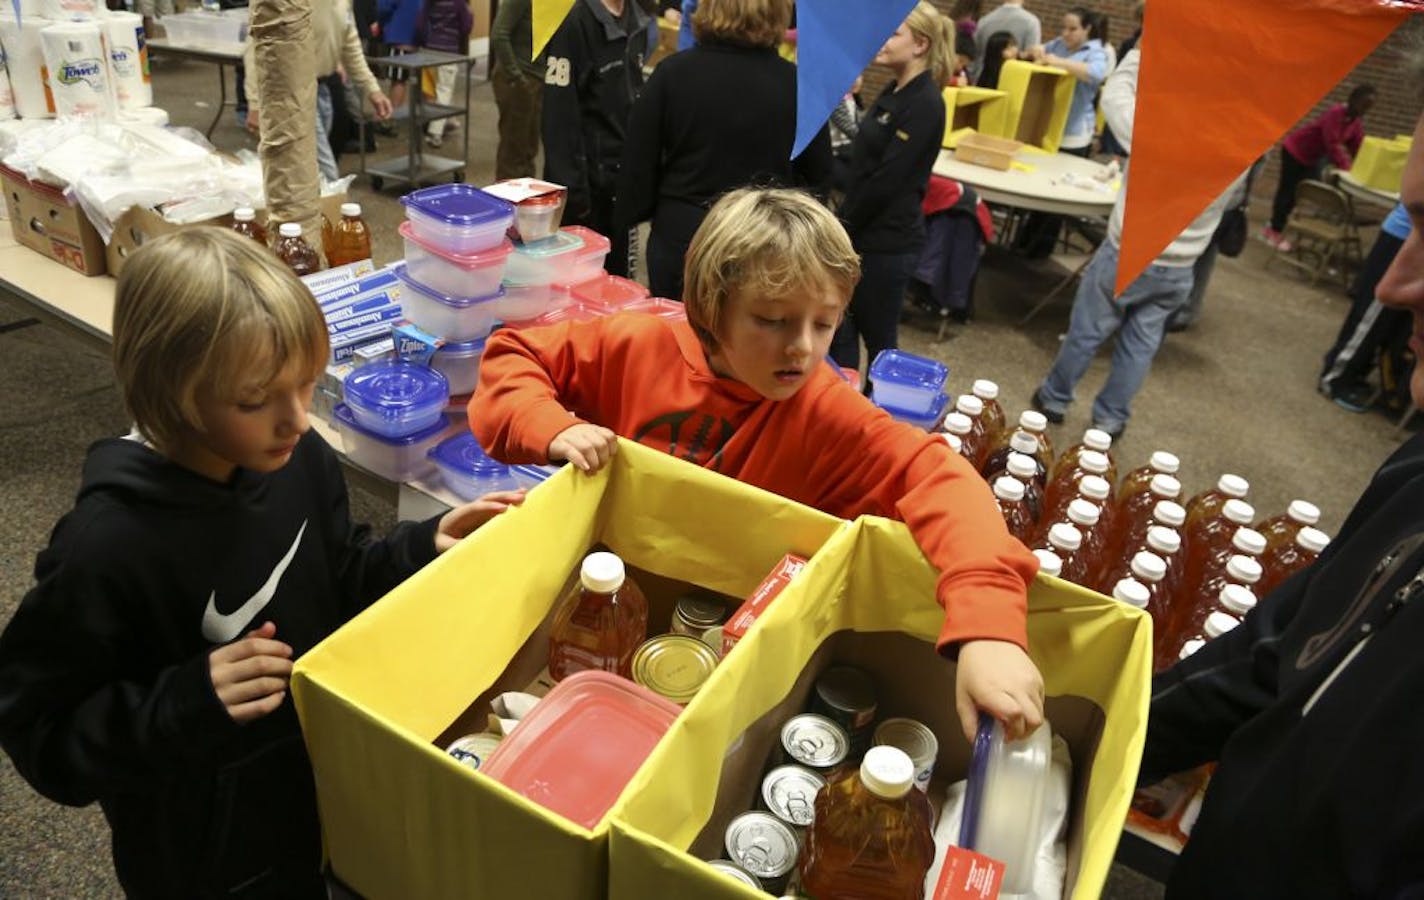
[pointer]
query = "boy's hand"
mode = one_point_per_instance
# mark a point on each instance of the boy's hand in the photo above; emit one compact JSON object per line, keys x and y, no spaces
{"x":250,"y":676}
{"x":589,"y":447}
{"x":999,"y":678}
{"x":460,"y":521}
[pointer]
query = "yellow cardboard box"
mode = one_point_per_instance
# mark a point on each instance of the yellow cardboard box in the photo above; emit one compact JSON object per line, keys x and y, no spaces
{"x":982,"y":109}
{"x":1039,"y":98}
{"x":1380,"y":163}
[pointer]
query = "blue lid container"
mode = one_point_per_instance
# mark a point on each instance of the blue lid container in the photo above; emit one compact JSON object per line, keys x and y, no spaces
{"x":531,"y":476}
{"x":467,"y":470}
{"x":904,"y":381}
{"x":345,"y":417}
{"x":458,"y":205}
{"x":394,"y":399}
{"x":926,"y":420}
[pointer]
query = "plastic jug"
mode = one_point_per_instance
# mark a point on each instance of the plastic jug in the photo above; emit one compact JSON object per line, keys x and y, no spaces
{"x":1281,"y":562}
{"x":293,"y":250}
{"x":350,"y":238}
{"x":1094,"y":439}
{"x":601,"y":623}
{"x":994,"y":419}
{"x":1009,"y":495}
{"x":1064,"y":486}
{"x":244,"y":222}
{"x":1135,"y":482}
{"x":1065,"y":540}
{"x":1281,"y":530}
{"x":1208,"y":503}
{"x":996,"y":462}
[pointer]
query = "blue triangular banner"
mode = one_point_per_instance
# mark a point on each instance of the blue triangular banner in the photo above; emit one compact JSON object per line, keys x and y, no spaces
{"x":836,"y":40}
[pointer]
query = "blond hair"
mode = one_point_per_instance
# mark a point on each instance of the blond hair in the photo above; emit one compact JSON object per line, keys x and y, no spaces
{"x":936,"y":29}
{"x":198,"y":308}
{"x":765,"y":241}
{"x":750,"y":23}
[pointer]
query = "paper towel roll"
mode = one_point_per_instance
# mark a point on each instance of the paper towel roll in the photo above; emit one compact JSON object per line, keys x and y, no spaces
{"x":78,"y":69}
{"x":128,"y":60}
{"x":25,"y":62}
{"x":73,"y":10}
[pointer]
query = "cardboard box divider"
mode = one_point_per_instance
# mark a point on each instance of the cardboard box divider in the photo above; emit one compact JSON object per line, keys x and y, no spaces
{"x":1039,"y":101}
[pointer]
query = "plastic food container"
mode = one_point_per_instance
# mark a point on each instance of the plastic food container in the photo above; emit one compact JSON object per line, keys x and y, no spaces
{"x":906,"y":382}
{"x":928,"y":421}
{"x":588,"y":261}
{"x":393,"y":458}
{"x":526,"y":300}
{"x":455,"y":319}
{"x":460,"y":364}
{"x":573,"y":313}
{"x":578,"y":749}
{"x":547,"y":261}
{"x":608,"y":293}
{"x":538,"y":217}
{"x":455,"y":274}
{"x":458,"y":218}
{"x":1005,"y":799}
{"x":467,"y":470}
{"x":393,"y":399}
{"x":660,"y":307}
{"x":531,"y":476}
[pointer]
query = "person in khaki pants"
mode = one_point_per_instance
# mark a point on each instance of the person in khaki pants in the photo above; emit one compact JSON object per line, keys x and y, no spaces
{"x":518,"y":89}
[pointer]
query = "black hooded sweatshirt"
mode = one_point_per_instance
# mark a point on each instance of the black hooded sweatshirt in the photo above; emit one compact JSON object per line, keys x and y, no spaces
{"x":105,"y":692}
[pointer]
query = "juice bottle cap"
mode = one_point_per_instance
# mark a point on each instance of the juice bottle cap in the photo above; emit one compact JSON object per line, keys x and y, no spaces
{"x":1033,"y":420}
{"x":1084,"y":512}
{"x":247,"y":214}
{"x":1094,"y":488}
{"x":1006,"y":487}
{"x":1023,"y":442}
{"x":1049,"y":563}
{"x":1244,"y":569}
{"x":290,"y":229}
{"x":1303,"y":511}
{"x":1163,"y":540}
{"x":1132,"y":592}
{"x":958,"y":423}
{"x":1097,"y":439}
{"x":887,"y":772}
{"x":1164,"y":462}
{"x":1093,"y":462}
{"x":953,"y":441}
{"x":1170,"y":513}
{"x":1249,"y":541}
{"x":1237,"y":599}
{"x":1238,"y":512}
{"x":1021,"y":465}
{"x":1233,"y":485}
{"x":602,"y":573}
{"x":1165,"y":486}
{"x":969,"y":404}
{"x":1191,"y":647}
{"x":1065,"y":537}
{"x":1312,"y":539}
{"x":1218,"y":623}
{"x":351,"y":210}
{"x":985,"y":389}
{"x":1149,"y":567}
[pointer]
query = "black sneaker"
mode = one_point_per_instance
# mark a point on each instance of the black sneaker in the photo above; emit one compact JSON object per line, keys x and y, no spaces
{"x":1036,"y":401}
{"x":1113,"y":433}
{"x":1353,"y":397}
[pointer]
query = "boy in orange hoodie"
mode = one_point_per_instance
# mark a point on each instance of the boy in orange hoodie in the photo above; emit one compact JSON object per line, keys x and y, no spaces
{"x":743,"y":388}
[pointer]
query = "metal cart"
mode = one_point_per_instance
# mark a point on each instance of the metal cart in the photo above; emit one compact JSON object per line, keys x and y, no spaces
{"x":417,"y":166}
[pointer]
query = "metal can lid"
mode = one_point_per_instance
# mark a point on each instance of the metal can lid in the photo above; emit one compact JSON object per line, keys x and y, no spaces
{"x":815,"y":741}
{"x":712,"y":637}
{"x":732,"y":870}
{"x":847,"y":689}
{"x":673,"y":665}
{"x":762,"y":844}
{"x":790,"y":793}
{"x":700,"y":611}
{"x":913,"y":737}
{"x":473,"y":749}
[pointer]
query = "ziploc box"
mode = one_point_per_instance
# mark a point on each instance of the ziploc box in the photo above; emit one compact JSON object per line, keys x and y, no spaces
{"x":769,"y":589}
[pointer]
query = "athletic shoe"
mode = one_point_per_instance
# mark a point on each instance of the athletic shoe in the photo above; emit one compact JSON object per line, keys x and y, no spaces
{"x":1036,"y":401}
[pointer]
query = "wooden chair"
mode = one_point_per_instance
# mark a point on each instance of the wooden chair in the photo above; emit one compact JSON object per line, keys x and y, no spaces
{"x":1323,"y":231}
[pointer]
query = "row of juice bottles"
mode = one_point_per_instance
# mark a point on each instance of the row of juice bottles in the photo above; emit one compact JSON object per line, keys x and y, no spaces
{"x":1196,"y":565}
{"x":347,"y":241}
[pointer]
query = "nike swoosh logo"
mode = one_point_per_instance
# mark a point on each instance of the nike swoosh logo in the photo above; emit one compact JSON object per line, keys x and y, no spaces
{"x":219,"y":628}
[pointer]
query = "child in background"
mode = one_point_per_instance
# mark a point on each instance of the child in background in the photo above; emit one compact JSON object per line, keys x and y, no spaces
{"x":845,"y":121}
{"x":1000,"y":48}
{"x":742,"y":388}
{"x":148,"y":667}
{"x":444,"y":25}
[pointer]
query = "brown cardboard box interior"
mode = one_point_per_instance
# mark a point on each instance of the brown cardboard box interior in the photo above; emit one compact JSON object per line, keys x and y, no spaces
{"x":1038,"y":107}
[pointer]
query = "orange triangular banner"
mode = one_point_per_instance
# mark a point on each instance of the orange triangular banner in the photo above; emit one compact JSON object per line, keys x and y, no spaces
{"x":1220,"y":83}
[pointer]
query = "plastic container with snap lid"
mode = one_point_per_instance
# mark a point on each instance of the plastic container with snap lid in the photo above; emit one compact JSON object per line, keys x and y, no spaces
{"x":901,"y":380}
{"x":538,"y":206}
{"x":458,"y":217}
{"x":452,"y":318}
{"x":393,"y":398}
{"x":531,"y":476}
{"x":467,"y":470}
{"x":546,"y":261}
{"x":608,"y":293}
{"x":929,"y":421}
{"x":660,"y":307}
{"x":459,"y":362}
{"x":392,"y":458}
{"x":579,"y":747}
{"x":573,"y":313}
{"x":454,"y":274}
{"x":587,"y":261}
{"x":1005,"y":799}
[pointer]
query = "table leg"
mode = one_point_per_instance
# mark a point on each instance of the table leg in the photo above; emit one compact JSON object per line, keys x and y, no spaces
{"x":222,"y":100}
{"x":413,"y":98}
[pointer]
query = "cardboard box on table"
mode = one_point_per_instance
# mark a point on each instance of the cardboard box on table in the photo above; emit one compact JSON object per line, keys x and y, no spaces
{"x":866,"y":599}
{"x":1039,"y":98}
{"x":983,"y":109}
{"x":1380,"y":162}
{"x":51,"y":224}
{"x":402,"y":819}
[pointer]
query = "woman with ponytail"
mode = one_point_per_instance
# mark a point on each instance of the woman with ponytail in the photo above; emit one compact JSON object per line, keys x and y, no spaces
{"x":885,"y":176}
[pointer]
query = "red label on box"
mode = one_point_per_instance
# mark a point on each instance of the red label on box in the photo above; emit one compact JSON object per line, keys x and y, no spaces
{"x":969,"y":876}
{"x":771,"y":586}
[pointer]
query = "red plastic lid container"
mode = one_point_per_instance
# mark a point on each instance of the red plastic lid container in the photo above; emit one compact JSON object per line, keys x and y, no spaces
{"x":658,"y":306}
{"x":608,"y":293}
{"x":577,"y":750}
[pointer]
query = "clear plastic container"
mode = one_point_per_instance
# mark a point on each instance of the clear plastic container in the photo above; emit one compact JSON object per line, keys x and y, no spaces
{"x":929,"y":421}
{"x":527,"y":300}
{"x":901,"y":380}
{"x":458,"y":218}
{"x":392,"y":458}
{"x":1005,"y":800}
{"x":572,"y":313}
{"x":587,"y":262}
{"x":460,"y":364}
{"x":531,"y":476}
{"x":393,"y":399}
{"x":539,"y":217}
{"x":451,"y":318}
{"x":454,"y":274}
{"x":608,"y":293}
{"x":660,"y":307}
{"x":467,"y":470}
{"x":544,"y":262}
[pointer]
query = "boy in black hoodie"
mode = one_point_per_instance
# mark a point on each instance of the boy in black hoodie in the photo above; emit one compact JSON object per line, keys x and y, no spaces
{"x":147,"y":669}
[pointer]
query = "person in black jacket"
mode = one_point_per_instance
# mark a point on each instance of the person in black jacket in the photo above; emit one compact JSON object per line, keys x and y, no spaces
{"x":593,"y":72}
{"x":884,"y":183}
{"x":719,"y":116}
{"x":1310,"y":707}
{"x":147,"y":668}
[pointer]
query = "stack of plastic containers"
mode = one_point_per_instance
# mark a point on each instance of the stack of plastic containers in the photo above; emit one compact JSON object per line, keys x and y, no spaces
{"x":392,"y":417}
{"x":540,"y":272}
{"x":909,"y":387}
{"x":470,"y":473}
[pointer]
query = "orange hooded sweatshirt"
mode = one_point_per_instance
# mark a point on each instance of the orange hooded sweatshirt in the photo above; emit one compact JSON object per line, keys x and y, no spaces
{"x":828,"y":447}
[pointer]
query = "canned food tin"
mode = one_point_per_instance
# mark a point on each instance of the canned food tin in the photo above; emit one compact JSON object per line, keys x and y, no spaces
{"x":918,"y":742}
{"x":789,"y":793}
{"x":473,"y":749}
{"x":764,"y":846}
{"x":846,"y":696}
{"x":673,"y":665}
{"x":712,"y":637}
{"x":696,"y":613}
{"x":734,"y":871}
{"x":814,"y":742}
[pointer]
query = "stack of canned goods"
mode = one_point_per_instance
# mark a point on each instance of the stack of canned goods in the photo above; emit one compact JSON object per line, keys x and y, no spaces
{"x":675,"y":665}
